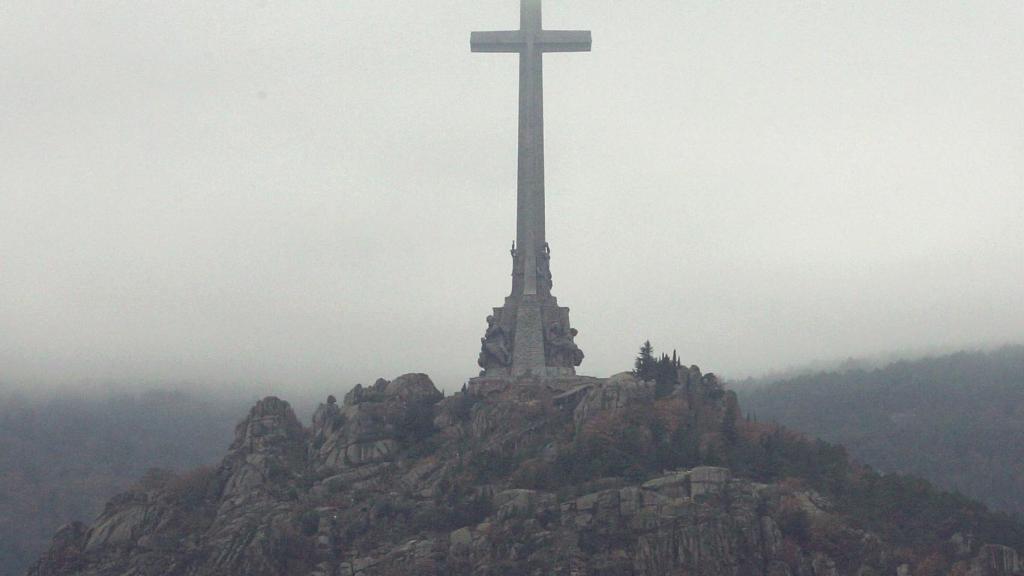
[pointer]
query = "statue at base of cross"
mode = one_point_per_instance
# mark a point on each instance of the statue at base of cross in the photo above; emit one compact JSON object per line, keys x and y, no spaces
{"x":494,"y":346}
{"x":530,"y":335}
{"x":561,"y":347}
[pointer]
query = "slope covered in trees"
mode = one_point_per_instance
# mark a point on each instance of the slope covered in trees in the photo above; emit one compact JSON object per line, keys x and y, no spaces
{"x":957,"y":420}
{"x":61,"y":458}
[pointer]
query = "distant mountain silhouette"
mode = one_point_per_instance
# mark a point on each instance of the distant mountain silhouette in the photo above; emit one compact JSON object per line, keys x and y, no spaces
{"x":61,"y":458}
{"x":957,"y":419}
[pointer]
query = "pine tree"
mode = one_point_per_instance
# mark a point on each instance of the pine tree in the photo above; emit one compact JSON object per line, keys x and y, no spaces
{"x":732,"y":414}
{"x":666,"y":377}
{"x":645,"y":365}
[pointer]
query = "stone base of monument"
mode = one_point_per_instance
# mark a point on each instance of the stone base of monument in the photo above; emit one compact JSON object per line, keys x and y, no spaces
{"x":556,"y":386}
{"x":529,"y":339}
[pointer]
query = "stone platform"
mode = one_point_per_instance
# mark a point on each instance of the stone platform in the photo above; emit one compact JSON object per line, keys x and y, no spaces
{"x":555,"y":385}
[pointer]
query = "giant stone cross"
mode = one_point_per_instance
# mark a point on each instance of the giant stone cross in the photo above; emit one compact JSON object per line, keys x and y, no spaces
{"x":530,"y":335}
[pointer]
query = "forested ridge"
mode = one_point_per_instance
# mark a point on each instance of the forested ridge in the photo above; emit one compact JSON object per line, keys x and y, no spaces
{"x":957,"y":420}
{"x":62,"y":457}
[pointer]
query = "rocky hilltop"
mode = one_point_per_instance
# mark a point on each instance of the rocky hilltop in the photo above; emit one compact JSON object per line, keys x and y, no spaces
{"x":584,"y":477}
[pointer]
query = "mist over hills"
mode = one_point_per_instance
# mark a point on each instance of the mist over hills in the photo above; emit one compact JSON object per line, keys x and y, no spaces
{"x":956,"y":419}
{"x":609,"y":477}
{"x":62,"y":456}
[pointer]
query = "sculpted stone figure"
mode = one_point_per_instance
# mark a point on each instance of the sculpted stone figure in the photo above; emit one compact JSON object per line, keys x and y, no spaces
{"x":561,"y":347}
{"x":494,"y":346}
{"x":544,"y":265}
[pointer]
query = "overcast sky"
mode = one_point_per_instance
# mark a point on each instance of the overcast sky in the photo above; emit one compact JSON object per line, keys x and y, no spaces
{"x":317,"y":193}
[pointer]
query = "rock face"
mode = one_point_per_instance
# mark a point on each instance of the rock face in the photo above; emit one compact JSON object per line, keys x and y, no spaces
{"x":366,"y":430}
{"x":501,"y":480}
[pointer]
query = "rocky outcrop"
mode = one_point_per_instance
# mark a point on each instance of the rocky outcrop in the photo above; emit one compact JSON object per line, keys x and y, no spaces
{"x":610,"y":395}
{"x":370,"y":426}
{"x":501,"y":479}
{"x":270,"y":443}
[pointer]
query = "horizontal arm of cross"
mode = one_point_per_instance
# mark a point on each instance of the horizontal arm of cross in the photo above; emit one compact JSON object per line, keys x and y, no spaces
{"x":564,"y":41}
{"x":511,"y":41}
{"x":546,"y":40}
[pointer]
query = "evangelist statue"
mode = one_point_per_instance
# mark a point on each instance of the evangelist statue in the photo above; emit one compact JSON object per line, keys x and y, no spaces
{"x":494,"y":346}
{"x":561,"y":347}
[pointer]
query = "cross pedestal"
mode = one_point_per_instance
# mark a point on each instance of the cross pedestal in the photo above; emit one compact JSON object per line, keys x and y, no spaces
{"x":530,"y":334}
{"x":527,"y":319}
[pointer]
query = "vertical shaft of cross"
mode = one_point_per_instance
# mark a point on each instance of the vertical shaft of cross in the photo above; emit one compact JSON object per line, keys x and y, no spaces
{"x":531,"y":333}
{"x":530,"y":232}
